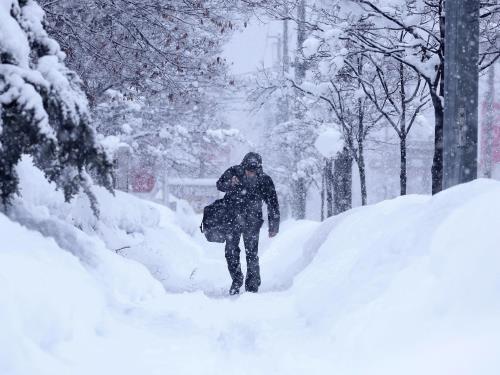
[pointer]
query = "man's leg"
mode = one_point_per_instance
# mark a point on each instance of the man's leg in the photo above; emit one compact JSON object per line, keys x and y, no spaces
{"x":251,"y":241}
{"x":233,"y":258}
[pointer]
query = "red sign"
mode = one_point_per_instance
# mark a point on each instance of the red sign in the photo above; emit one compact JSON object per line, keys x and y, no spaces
{"x":143,"y":181}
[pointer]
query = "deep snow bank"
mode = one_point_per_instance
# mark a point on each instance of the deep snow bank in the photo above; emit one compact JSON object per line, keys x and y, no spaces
{"x":410,"y":285}
{"x":168,"y":243}
{"x":134,"y":228}
{"x":407,"y":286}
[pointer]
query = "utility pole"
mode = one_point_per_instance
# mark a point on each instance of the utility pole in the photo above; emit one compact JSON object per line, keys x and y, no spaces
{"x":461,"y":76}
{"x":300,"y":71}
{"x":285,"y":63}
{"x":280,"y":65}
{"x":299,"y":188}
{"x":279,"y":51}
{"x":286,"y":59}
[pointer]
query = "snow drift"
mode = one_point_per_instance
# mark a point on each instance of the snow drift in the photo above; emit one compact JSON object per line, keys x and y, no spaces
{"x":408,"y":286}
{"x":411,"y":284}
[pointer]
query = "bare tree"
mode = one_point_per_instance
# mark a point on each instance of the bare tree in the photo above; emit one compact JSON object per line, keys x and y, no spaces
{"x":421,"y":49}
{"x":149,"y":46}
{"x":353,"y":112}
{"x":399,"y":96}
{"x":152,"y":71}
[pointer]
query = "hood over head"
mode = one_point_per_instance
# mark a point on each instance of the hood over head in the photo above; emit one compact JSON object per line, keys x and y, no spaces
{"x":252,"y":161}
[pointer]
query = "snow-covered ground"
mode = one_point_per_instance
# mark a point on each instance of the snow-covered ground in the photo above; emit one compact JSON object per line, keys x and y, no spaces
{"x":407,"y":286}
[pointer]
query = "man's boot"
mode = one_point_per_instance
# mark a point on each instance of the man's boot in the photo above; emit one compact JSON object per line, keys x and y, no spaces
{"x":235,"y":289}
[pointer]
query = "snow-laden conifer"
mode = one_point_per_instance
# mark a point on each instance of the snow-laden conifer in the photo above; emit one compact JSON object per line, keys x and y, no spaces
{"x":43,"y":110}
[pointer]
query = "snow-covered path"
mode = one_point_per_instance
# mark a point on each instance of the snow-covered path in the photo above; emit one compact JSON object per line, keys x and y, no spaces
{"x":405,"y":286}
{"x":281,"y":259}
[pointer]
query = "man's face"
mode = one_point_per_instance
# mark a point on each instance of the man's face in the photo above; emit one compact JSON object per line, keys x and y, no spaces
{"x":250,"y":173}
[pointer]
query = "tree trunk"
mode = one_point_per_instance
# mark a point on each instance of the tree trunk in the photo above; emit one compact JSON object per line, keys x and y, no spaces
{"x":342,"y":182}
{"x":437,"y":161}
{"x":299,"y":199}
{"x":402,"y":130}
{"x":362,"y":177}
{"x":361,"y":138}
{"x":403,"y":174}
{"x":437,"y":102}
{"x":361,"y":153}
{"x":323,"y":177}
{"x":329,"y":187}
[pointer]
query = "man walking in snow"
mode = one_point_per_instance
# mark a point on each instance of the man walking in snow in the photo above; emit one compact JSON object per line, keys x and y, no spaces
{"x":246,"y":186}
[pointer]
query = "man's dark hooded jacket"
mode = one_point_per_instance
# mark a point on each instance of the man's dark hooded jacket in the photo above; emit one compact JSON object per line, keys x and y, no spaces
{"x":245,"y":198}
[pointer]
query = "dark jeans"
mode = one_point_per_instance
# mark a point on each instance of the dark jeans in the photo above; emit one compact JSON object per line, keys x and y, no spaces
{"x":251,"y":241}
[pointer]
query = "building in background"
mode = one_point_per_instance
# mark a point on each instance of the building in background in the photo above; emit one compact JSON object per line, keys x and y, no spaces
{"x":199,"y":192}
{"x":149,"y":179}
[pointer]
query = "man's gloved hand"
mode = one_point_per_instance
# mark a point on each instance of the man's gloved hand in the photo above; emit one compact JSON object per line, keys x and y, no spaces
{"x":235,"y":181}
{"x":272,"y":234}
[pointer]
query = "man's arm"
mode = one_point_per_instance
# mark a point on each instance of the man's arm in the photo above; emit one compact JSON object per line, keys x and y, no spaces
{"x":273,"y":207}
{"x":226,"y":182}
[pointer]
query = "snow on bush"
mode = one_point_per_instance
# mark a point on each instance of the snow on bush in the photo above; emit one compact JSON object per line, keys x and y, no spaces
{"x":310,"y":46}
{"x":329,"y":142}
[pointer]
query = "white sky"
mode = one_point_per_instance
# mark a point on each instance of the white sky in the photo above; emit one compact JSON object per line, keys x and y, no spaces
{"x":249,"y":50}
{"x":253,"y":46}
